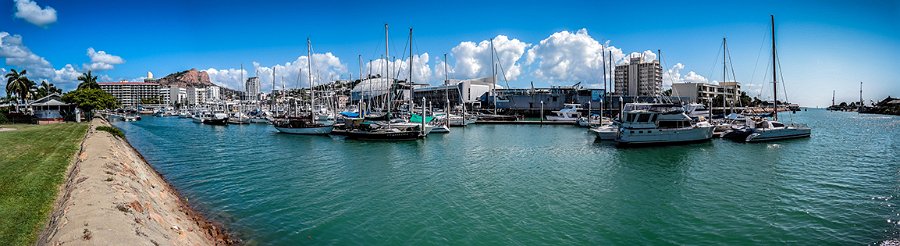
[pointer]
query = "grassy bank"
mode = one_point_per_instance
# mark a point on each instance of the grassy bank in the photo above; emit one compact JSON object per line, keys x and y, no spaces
{"x":33,"y":162}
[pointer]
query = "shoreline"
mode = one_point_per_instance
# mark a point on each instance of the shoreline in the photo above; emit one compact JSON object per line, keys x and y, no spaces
{"x":111,"y":195}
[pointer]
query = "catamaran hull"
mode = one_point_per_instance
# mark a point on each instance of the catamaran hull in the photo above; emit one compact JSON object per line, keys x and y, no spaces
{"x":777,"y":134}
{"x":322,"y":130}
{"x":636,"y":137}
{"x":387,"y":136}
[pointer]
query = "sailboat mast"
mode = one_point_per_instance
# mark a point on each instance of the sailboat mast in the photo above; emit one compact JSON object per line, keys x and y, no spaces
{"x":832,"y":97}
{"x":724,"y":73}
{"x":312,"y":92}
{"x":493,"y":79}
{"x":446,"y":88}
{"x":603,"y":62}
{"x":386,"y":63}
{"x":409,"y":81}
{"x":774,"y":73}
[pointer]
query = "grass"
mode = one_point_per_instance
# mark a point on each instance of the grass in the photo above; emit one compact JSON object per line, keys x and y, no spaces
{"x":112,"y":130}
{"x":33,"y":163}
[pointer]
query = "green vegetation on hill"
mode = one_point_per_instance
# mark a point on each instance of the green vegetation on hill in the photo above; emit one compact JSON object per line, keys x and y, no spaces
{"x":33,"y":163}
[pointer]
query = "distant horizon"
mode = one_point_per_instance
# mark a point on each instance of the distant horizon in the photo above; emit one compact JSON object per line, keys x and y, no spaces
{"x":822,"y":46}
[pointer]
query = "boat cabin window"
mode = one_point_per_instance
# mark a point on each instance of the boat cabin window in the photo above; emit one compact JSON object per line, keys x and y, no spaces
{"x":644,"y":118}
{"x":776,"y":124}
{"x":630,"y":118}
{"x":653,"y":118}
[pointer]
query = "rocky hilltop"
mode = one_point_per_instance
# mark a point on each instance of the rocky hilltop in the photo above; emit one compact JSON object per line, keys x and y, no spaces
{"x":188,"y":78}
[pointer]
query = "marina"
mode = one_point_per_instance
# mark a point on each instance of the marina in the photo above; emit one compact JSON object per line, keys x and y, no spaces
{"x":533,"y":184}
{"x":449,"y":123}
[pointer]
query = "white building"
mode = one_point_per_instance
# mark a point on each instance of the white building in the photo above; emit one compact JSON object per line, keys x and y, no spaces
{"x":196,"y":96}
{"x":213,"y":94}
{"x":638,"y":78}
{"x":704,"y":93}
{"x":252,"y":88}
{"x":131,"y":94}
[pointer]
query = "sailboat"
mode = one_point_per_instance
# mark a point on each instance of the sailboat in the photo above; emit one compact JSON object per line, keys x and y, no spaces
{"x":761,"y":130}
{"x":384,"y":127}
{"x":304,"y":122}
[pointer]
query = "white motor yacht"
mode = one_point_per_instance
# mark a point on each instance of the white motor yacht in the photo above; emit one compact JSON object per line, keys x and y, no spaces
{"x":569,"y":112}
{"x":660,"y":124}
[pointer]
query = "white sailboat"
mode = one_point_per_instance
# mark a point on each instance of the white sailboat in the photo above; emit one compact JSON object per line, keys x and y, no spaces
{"x":761,"y":130}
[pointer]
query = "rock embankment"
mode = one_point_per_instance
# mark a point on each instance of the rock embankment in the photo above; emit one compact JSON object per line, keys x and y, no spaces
{"x":112,"y":196}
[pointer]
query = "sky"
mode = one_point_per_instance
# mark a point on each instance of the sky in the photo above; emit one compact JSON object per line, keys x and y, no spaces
{"x":823,"y":46}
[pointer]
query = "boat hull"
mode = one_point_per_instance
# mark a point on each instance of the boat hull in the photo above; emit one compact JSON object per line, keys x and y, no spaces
{"x":777,"y":134}
{"x":218,"y":122}
{"x":636,"y":137}
{"x":320,"y":130}
{"x":386,"y":136}
{"x":606,"y":133}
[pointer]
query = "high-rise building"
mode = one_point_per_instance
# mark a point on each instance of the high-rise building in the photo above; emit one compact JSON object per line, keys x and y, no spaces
{"x":131,"y":94}
{"x":213,"y":93}
{"x":252,"y":88}
{"x":196,"y":95}
{"x":638,"y":78}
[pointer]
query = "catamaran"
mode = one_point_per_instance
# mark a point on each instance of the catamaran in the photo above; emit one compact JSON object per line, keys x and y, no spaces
{"x":760,"y":130}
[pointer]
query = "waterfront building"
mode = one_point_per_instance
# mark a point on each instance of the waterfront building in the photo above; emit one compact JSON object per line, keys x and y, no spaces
{"x":705,"y":92}
{"x":638,"y":78}
{"x":252,"y":88}
{"x":131,"y":94}
{"x":213,"y":94}
{"x":196,"y":95}
{"x":467,"y":91}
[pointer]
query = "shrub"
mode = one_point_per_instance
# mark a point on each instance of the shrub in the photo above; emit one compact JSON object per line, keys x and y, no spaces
{"x":112,"y":130}
{"x":3,"y":119}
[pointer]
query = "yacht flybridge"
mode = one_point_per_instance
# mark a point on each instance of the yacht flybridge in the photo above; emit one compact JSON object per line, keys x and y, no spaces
{"x":660,"y":124}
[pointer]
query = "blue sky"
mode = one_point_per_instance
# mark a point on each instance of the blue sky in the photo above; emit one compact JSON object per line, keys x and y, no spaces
{"x":823,"y":45}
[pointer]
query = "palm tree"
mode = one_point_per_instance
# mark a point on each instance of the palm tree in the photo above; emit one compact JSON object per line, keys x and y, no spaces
{"x":17,"y":83}
{"x":88,"y":81}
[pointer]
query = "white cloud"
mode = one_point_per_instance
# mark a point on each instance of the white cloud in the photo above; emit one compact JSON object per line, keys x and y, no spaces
{"x":673,"y":75}
{"x":100,"y":60}
{"x":474,"y":60}
{"x":646,"y":56}
{"x":326,"y":68}
{"x":30,"y":11}
{"x":571,"y":57}
{"x":17,"y":55}
{"x":422,"y":72}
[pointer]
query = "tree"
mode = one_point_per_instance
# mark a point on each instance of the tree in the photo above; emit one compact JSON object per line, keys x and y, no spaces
{"x":46,"y":89}
{"x":18,"y":84}
{"x":90,"y":99}
{"x":667,"y":92}
{"x":88,"y":81}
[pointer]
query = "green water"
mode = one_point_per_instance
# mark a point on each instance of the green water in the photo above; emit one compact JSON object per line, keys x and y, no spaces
{"x":530,"y":184}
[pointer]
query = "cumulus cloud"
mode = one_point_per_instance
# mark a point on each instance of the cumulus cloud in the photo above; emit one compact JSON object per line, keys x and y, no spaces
{"x":31,"y":12}
{"x":16,"y":54}
{"x":571,"y":57}
{"x":100,"y":60}
{"x":325,"y":68}
{"x":474,"y":60}
{"x":399,"y":68}
{"x":674,"y":75}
